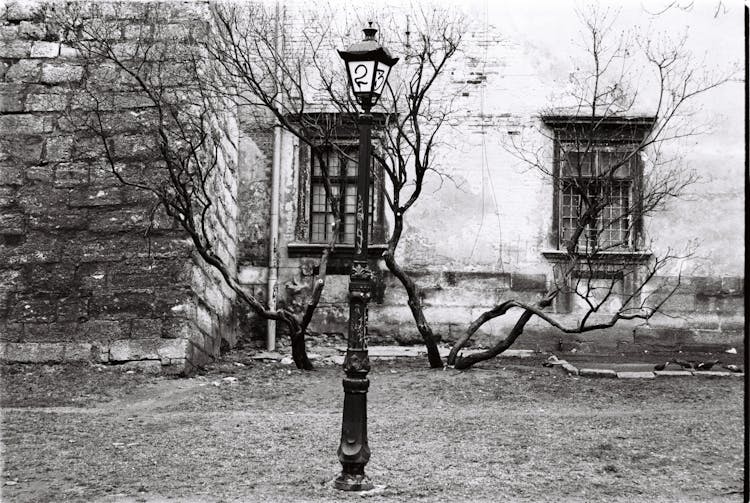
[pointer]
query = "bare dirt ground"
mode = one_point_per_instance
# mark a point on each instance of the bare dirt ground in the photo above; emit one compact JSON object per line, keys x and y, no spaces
{"x":509,"y":430}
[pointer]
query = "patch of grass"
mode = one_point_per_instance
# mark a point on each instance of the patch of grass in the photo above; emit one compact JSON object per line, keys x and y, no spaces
{"x":489,"y":434}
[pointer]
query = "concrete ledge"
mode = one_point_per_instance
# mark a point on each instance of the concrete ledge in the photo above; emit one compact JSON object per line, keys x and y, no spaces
{"x":672,"y":373}
{"x":716,"y":373}
{"x":597,"y":373}
{"x":635,"y":375}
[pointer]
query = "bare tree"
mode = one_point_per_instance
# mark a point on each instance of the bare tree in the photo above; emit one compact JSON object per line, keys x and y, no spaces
{"x":310,"y":86}
{"x":615,"y":123}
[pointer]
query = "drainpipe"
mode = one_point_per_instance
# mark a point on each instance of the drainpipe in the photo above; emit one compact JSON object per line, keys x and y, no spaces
{"x":273,"y":265}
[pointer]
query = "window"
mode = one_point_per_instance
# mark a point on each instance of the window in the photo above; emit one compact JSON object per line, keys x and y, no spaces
{"x":342,"y":174}
{"x":600,"y":178}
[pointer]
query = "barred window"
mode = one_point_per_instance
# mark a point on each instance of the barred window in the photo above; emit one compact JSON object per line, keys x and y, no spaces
{"x":602,"y":179}
{"x":342,"y":174}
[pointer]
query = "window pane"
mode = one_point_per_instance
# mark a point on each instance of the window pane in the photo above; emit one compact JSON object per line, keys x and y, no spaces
{"x":318,"y":231}
{"x":349,"y":225}
{"x":571,"y":161}
{"x":333,"y":164}
{"x":350,"y":199}
{"x":609,"y":159}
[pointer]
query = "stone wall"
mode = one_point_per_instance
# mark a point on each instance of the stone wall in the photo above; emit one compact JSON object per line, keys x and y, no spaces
{"x":81,"y":278}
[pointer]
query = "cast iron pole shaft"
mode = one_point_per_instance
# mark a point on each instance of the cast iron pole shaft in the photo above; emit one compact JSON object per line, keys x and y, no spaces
{"x":353,"y":451}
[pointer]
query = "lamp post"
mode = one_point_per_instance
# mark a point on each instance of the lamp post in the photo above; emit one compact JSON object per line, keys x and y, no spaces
{"x":367,"y":66}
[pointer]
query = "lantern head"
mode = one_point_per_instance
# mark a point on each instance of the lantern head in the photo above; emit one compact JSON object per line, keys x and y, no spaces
{"x":368,"y":65}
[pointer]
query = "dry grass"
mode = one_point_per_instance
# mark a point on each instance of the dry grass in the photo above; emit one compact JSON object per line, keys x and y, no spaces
{"x":510,"y":431}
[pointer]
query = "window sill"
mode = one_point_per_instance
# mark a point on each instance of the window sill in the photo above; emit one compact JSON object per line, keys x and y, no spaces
{"x":607,"y":257}
{"x":343,"y":251}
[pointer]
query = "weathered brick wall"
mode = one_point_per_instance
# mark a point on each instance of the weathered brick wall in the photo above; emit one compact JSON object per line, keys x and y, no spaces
{"x":78,"y":279}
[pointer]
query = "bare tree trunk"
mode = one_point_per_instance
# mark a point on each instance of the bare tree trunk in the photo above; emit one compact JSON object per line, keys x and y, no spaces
{"x":415,"y":303}
{"x":469,"y":360}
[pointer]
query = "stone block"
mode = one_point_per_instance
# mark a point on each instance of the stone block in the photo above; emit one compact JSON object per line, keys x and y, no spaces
{"x":69,"y":175}
{"x":134,"y":349}
{"x":61,"y":73}
{"x":679,"y":303}
{"x":8,"y":32}
{"x":597,"y":373}
{"x":10,"y":332}
{"x":45,"y":173}
{"x":141,"y":303}
{"x":25,"y":70}
{"x":146,"y":328}
{"x":528,"y":282}
{"x":664,"y":336}
{"x":67,"y":52}
{"x":134,"y":146}
{"x":69,"y":220}
{"x":15,"y":49}
{"x":92,"y":148}
{"x":95,"y":196}
{"x":28,"y":151}
{"x":104,"y":330}
{"x":26,"y":124}
{"x":22,"y":10}
{"x":51,"y":277}
{"x":41,"y":199}
{"x":40,"y":308}
{"x":635,"y":375}
{"x":12,"y":223}
{"x":475,"y":280}
{"x":47,"y":102}
{"x":459,"y":297}
{"x":178,"y":328}
{"x":7,"y":196}
{"x":732,"y":324}
{"x":11,"y":175}
{"x":12,"y":97}
{"x":732,"y":285}
{"x":733,"y":305}
{"x":119,"y":220}
{"x":37,"y":248}
{"x":173,"y":349}
{"x":30,"y":352}
{"x":707,"y":286}
{"x":31,"y":31}
{"x":81,"y":351}
{"x":72,"y":309}
{"x":41,"y":49}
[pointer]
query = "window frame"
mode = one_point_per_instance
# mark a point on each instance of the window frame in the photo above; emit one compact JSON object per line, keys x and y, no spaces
{"x":632,"y":192}
{"x":342,"y":181}
{"x":615,"y":133}
{"x":301,"y":245}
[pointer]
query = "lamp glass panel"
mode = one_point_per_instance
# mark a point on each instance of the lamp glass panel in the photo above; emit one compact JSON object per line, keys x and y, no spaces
{"x":361,"y":75}
{"x":381,"y":77}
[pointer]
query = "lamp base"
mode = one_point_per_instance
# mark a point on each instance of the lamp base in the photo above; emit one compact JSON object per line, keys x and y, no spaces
{"x":352,"y":482}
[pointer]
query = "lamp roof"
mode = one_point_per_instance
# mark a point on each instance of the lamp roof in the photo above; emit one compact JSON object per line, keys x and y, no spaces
{"x":368,"y":48}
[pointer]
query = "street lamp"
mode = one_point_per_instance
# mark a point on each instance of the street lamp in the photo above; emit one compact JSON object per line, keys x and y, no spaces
{"x":367,"y":66}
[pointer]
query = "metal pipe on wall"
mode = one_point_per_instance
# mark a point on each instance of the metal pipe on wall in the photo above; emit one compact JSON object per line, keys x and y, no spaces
{"x":273,"y":242}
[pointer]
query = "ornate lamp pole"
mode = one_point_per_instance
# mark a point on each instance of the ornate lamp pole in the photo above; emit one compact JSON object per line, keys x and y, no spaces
{"x":367,"y":65}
